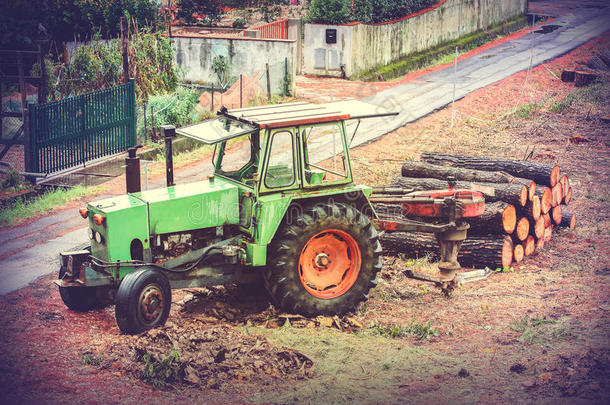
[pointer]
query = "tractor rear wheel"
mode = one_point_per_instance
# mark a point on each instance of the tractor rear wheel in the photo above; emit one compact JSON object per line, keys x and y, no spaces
{"x":325,"y":261}
{"x":80,"y":299}
{"x":143,"y":301}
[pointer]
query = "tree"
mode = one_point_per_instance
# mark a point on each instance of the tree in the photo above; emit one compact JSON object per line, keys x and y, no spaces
{"x":329,"y":11}
{"x":207,"y":11}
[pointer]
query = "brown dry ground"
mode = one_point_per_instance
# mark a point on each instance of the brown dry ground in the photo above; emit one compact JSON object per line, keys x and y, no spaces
{"x":536,"y":334}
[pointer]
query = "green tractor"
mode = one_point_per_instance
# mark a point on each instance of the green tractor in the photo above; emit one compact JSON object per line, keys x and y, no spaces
{"x":271,"y":212}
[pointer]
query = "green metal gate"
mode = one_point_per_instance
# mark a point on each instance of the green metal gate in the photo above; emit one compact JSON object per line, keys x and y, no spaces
{"x":73,"y":131}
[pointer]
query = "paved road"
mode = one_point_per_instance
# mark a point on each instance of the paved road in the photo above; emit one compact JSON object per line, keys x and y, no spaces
{"x":29,"y":252}
{"x":578,"y":23}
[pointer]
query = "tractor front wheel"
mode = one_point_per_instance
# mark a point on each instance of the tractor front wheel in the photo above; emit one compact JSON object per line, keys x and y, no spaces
{"x":80,"y":299}
{"x":143,"y":301}
{"x":324,"y":261}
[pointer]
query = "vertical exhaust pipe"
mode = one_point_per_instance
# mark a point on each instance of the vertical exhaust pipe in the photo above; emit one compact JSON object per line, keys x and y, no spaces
{"x":169,"y":133}
{"x":132,"y":171}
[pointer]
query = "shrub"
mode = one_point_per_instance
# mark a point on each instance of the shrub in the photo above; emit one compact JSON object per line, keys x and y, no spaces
{"x":329,"y":11}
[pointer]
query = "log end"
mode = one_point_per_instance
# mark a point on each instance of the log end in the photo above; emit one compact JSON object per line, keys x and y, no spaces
{"x":531,"y":190}
{"x":509,"y":218}
{"x":565,"y":184}
{"x":546,"y":200}
{"x":556,"y":215}
{"x":523,"y":196}
{"x":547,"y":220}
{"x":529,"y":246}
{"x":557,"y":194}
{"x":536,"y":210}
{"x":568,"y":196}
{"x":507,"y":251}
{"x":523,"y":228}
{"x":555,"y":173}
{"x":518,"y":253}
{"x":572,"y":222}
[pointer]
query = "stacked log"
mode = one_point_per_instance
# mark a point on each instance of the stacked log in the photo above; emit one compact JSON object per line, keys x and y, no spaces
{"x":524,"y":201}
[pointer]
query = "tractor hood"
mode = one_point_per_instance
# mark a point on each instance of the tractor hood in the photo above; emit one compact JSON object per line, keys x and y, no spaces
{"x":191,"y":206}
{"x":138,"y":216}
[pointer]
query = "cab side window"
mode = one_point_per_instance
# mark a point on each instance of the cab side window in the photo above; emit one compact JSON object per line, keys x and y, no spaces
{"x":318,"y":142}
{"x":280,"y":167}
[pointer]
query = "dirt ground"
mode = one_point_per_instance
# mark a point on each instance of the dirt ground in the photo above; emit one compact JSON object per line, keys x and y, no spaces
{"x":538,"y":333}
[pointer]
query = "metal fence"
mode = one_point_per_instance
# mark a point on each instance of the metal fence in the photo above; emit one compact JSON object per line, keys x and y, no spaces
{"x":274,"y":30}
{"x":75,"y":130}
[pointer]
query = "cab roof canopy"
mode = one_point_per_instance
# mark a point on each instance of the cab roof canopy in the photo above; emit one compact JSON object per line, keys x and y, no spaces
{"x":243,"y":121}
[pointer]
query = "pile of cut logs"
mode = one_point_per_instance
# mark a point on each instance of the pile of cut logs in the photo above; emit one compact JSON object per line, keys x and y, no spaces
{"x":597,"y":66}
{"x":524,"y":201}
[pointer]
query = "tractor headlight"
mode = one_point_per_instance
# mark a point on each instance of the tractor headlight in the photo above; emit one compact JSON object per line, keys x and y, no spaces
{"x":98,"y":237}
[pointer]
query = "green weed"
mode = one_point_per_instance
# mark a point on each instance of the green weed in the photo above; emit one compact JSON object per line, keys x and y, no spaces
{"x":540,"y":330}
{"x":527,"y":111}
{"x":419,"y":330}
{"x":49,"y":201}
{"x":92,"y":360}
{"x":161,"y":372}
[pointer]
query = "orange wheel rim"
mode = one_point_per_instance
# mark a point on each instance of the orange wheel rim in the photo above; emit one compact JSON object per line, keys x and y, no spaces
{"x":329,"y":264}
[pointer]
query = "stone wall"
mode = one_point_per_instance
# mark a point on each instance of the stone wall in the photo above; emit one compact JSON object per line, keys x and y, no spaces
{"x":362,"y":47}
{"x":246,"y":56}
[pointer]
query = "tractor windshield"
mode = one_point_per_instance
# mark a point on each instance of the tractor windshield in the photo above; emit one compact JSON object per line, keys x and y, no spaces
{"x":238,"y":159}
{"x":216,"y":130}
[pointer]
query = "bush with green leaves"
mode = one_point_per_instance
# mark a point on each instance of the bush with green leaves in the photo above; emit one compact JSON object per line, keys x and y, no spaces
{"x":23,"y":22}
{"x":178,"y":108}
{"x":366,"y":11}
{"x":328,"y":11}
{"x":161,"y":372}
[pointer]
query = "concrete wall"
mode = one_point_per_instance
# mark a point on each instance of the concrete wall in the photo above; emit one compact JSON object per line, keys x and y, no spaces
{"x":362,"y":47}
{"x":247,"y":56}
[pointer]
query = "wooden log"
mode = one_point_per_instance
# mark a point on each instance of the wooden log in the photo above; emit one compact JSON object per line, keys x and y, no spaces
{"x":556,"y":215}
{"x":568,"y":219}
{"x":532,"y":208}
{"x":499,"y":218}
{"x":529,"y":246}
{"x":542,"y":174}
{"x":605,"y":56}
{"x":530,"y":184}
{"x":511,"y":193}
{"x":522,"y":229}
{"x":537,"y":227}
{"x":583,"y":78}
{"x":417,"y":169}
{"x":567,"y":75}
{"x":565,"y":185}
{"x":557,"y":194}
{"x":476,"y":251}
{"x":518,"y":253}
{"x":547,"y":219}
{"x":595,"y":62}
{"x":545,"y":194}
{"x":568,"y":197}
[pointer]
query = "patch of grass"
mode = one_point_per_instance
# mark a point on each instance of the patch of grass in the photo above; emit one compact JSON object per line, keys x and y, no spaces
{"x":527,"y":111}
{"x":419,"y":330}
{"x":47,"y":202}
{"x":161,"y":373}
{"x":541,"y":330}
{"x":92,"y":360}
{"x":11,"y":180}
{"x":350,"y":368}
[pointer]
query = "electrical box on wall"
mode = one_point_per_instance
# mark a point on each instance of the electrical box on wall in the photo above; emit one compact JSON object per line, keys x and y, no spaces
{"x":331,"y":36}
